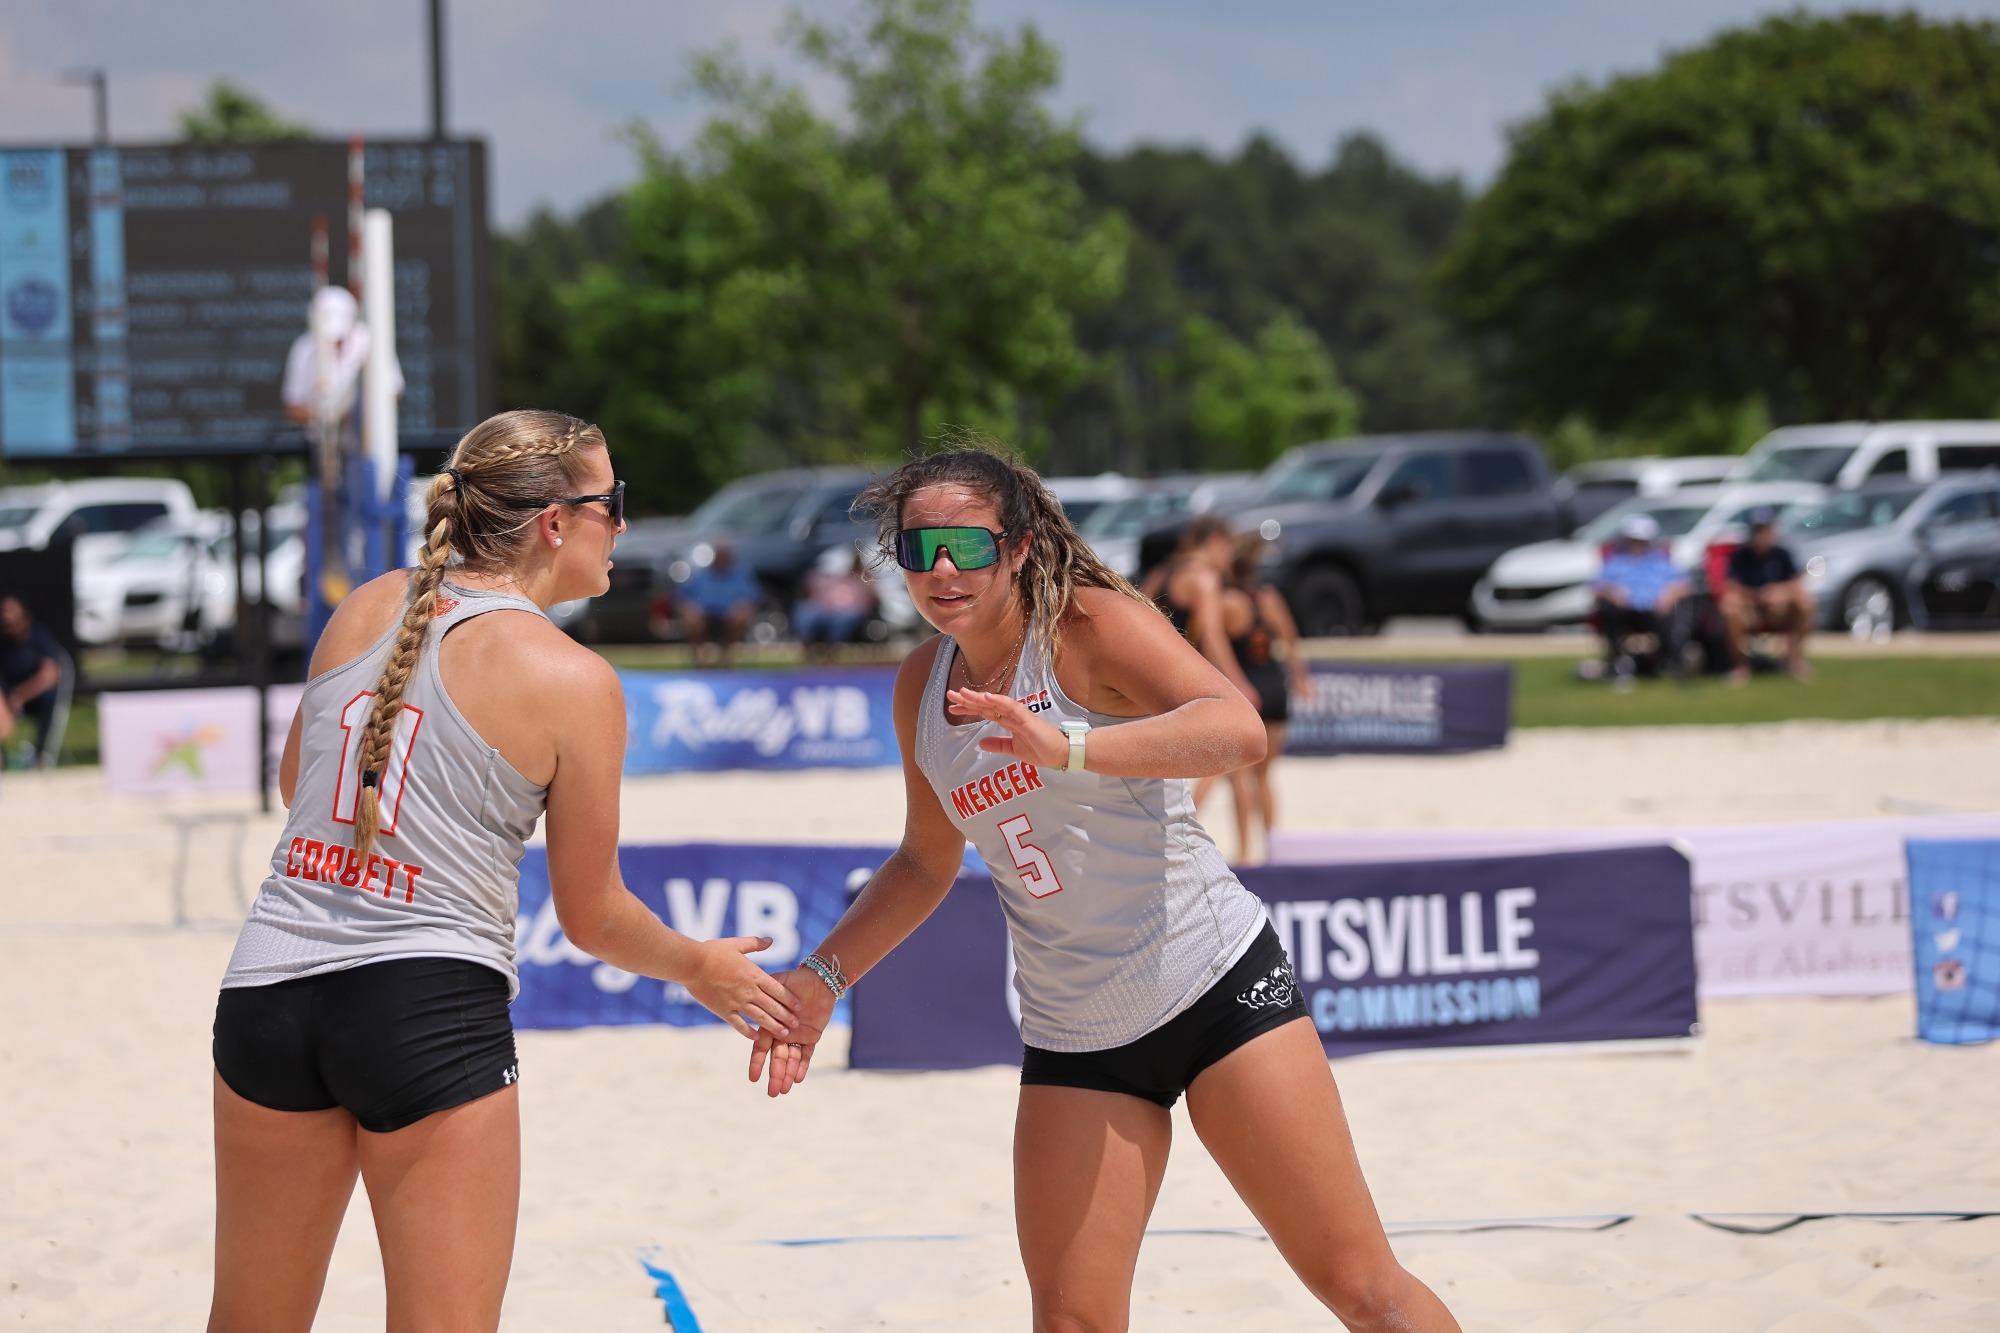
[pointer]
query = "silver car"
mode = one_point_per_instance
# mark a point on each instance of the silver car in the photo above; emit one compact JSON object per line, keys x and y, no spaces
{"x":1856,"y":549}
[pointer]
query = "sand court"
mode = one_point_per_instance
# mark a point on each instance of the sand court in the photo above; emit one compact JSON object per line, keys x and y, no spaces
{"x":650,"y":1140}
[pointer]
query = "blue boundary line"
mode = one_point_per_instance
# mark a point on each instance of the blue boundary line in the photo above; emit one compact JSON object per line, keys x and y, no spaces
{"x":680,"y":1317}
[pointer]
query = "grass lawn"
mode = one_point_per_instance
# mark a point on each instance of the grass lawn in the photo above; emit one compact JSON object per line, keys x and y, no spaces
{"x":1547,"y":694}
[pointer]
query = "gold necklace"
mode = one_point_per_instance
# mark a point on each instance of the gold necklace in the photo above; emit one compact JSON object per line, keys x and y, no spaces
{"x":993,"y":679}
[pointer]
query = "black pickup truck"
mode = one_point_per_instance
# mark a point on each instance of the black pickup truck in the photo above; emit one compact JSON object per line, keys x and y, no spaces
{"x":1385,"y":525}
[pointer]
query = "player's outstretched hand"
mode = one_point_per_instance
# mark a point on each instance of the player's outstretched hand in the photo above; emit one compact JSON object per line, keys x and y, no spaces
{"x":736,"y":990}
{"x":785,"y":1058}
{"x":1030,"y":737}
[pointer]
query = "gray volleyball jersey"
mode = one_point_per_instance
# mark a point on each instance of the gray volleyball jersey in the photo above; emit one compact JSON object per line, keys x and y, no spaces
{"x":442,"y":878}
{"x":1121,"y":908}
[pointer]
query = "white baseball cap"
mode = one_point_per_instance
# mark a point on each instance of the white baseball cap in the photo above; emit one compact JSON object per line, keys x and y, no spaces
{"x":1639,"y":528}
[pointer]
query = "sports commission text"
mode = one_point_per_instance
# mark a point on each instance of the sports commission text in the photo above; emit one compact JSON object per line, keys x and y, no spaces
{"x":1349,"y":939}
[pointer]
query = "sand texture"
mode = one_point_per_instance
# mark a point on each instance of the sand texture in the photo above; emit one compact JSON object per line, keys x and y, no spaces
{"x":649,"y":1141}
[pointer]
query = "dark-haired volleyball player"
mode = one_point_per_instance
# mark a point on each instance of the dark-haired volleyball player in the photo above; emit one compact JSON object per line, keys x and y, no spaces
{"x":1054,"y":724}
{"x":363,"y":1024}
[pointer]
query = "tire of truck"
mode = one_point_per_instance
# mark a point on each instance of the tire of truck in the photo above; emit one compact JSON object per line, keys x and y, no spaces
{"x":1327,"y":603}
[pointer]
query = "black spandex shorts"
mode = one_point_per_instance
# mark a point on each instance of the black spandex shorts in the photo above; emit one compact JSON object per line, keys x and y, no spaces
{"x":1253,"y":997}
{"x":1273,"y":686}
{"x":392,"y":1041}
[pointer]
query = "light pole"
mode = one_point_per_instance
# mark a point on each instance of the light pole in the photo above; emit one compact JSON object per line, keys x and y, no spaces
{"x":101,"y":99}
{"x":437,"y":68}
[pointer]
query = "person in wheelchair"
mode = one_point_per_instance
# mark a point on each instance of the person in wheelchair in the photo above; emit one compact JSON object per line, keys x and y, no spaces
{"x":1639,"y":592}
{"x":1764,"y":594}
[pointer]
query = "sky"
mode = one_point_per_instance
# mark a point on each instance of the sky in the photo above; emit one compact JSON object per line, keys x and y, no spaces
{"x":550,"y":83}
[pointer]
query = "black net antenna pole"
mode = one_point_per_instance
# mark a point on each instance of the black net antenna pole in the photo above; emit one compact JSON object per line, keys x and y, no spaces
{"x":260,"y":629}
{"x":437,"y":68}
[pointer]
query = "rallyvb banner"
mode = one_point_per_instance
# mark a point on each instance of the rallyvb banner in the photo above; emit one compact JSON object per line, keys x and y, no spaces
{"x":704,"y":890}
{"x":1567,"y":947}
{"x":703,"y":721}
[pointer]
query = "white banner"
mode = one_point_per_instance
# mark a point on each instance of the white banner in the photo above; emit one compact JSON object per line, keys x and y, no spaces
{"x":1779,"y":909}
{"x":162,"y":742}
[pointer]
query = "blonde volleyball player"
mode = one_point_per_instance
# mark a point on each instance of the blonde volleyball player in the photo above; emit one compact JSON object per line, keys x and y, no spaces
{"x":363,"y":1026}
{"x":1054,"y":725}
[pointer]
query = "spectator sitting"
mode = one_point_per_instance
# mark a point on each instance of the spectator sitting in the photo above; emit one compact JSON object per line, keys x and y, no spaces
{"x":837,"y":600}
{"x":718,"y":601}
{"x":1763,"y":593}
{"x":1639,"y":591}
{"x":30,"y":672}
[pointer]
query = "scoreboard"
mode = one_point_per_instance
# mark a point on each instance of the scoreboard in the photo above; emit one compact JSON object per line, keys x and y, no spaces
{"x":149,"y":295}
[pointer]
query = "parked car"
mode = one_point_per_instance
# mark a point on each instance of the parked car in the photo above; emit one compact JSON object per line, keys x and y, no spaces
{"x":777,"y":523}
{"x":1384,"y":525}
{"x":625,"y":612}
{"x":1114,"y":529}
{"x":149,"y":593}
{"x":1849,"y":453}
{"x":1857,"y":548}
{"x":285,"y":557}
{"x":97,"y":515}
{"x":1081,"y":496}
{"x":1546,"y":584}
{"x":1955,"y":584}
{"x":1588,"y":489}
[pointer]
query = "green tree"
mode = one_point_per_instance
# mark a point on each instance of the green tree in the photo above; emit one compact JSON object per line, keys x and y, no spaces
{"x":1248,"y":404}
{"x":1801,"y":218}
{"x":802,"y":284}
{"x":1240,"y":240}
{"x":234,"y":114}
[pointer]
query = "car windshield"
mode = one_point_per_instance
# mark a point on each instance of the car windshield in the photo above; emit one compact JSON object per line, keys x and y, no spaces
{"x":751,"y":509}
{"x":1132,"y":516}
{"x":154,"y":546}
{"x":1847,"y":513}
{"x":1674,"y":520}
{"x":17,"y":517}
{"x":1320,"y":477}
{"x":1808,"y":462}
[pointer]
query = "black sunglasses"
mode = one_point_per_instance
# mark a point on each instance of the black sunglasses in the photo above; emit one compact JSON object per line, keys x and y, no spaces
{"x":614,"y":502}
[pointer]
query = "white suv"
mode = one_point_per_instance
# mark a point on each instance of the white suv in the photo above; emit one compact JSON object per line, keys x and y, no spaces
{"x":100,"y":513}
{"x":1848,"y":453}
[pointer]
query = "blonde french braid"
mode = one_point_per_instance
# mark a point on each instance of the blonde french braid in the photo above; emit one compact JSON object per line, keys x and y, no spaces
{"x":471,"y":515}
{"x":403,"y":655}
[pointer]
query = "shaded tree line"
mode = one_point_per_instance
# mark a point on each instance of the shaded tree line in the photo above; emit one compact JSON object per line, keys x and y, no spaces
{"x":1795,"y":221}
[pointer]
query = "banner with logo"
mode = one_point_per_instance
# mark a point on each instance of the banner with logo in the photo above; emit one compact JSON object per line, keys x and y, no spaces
{"x":704,"y":890}
{"x":1955,"y":927}
{"x":701,"y":721}
{"x":164,"y":742}
{"x":1779,"y":909}
{"x":1381,"y":708}
{"x":1565,"y":947}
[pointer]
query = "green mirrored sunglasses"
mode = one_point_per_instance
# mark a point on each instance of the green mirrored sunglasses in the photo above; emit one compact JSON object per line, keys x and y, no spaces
{"x":969,"y":548}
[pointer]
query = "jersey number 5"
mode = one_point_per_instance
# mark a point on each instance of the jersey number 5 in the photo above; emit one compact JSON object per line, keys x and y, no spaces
{"x":347,"y":795}
{"x":1038,"y":873}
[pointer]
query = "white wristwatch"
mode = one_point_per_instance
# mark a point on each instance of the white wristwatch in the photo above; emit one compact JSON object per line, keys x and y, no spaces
{"x":1076,"y":731}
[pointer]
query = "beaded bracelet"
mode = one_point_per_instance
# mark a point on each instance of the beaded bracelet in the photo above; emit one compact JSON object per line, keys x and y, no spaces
{"x":829,"y":972}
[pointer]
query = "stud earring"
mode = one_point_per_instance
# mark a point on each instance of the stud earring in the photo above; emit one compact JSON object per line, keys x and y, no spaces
{"x":558,"y":541}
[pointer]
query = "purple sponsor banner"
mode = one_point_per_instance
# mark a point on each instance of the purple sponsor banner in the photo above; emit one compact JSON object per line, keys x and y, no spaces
{"x":1571,"y":946}
{"x":704,"y":890}
{"x":1567,"y":946}
{"x":941,"y":999}
{"x":1390,"y":708}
